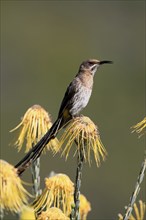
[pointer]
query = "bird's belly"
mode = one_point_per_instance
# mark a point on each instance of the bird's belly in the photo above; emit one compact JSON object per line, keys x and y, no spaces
{"x":80,"y":100}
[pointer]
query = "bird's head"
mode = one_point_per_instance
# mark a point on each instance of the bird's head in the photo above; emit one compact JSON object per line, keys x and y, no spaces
{"x":92,"y":65}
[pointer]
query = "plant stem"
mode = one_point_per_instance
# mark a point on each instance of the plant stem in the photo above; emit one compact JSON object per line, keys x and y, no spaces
{"x":136,"y":191}
{"x":35,"y":171}
{"x":1,"y":213}
{"x":75,"y":211}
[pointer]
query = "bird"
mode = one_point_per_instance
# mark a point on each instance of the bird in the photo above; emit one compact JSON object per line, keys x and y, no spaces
{"x":75,"y":100}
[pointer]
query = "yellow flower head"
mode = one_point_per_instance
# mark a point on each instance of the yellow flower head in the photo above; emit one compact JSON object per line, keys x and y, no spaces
{"x":84,"y":133}
{"x":140,"y":127}
{"x":53,"y":214}
{"x":84,"y":208}
{"x":139,"y":212}
{"x":12,"y":194}
{"x":27,"y":213}
{"x":35,"y":123}
{"x":58,"y":193}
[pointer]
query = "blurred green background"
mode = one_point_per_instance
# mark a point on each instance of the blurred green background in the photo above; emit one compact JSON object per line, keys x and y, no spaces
{"x":42,"y":46}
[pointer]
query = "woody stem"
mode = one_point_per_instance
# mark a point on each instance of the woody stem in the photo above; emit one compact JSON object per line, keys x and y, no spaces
{"x":75,"y":212}
{"x":136,"y":191}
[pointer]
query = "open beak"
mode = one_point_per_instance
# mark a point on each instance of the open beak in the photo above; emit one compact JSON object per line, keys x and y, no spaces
{"x":105,"y":61}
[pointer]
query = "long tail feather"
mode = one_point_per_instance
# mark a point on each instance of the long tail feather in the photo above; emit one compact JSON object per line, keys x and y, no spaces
{"x":35,"y":152}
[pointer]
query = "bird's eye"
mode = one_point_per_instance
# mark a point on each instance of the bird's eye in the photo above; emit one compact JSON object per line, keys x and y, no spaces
{"x":91,"y":63}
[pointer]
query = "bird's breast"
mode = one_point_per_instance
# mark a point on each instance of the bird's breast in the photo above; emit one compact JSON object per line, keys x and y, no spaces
{"x":80,"y":99}
{"x":86,"y":79}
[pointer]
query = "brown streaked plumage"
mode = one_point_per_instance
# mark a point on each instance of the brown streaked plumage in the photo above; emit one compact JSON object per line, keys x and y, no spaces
{"x":75,"y":99}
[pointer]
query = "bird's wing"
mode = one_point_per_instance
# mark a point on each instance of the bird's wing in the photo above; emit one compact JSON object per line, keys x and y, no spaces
{"x":68,"y":97}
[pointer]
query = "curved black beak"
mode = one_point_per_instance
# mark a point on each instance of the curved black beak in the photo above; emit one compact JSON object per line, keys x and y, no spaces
{"x":105,"y":61}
